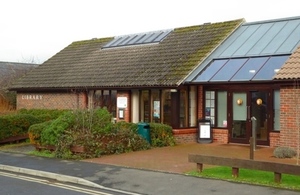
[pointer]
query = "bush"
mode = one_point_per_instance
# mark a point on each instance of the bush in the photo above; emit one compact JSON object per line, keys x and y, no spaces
{"x":16,"y":124}
{"x":6,"y":128}
{"x":161,"y":135}
{"x":35,"y":132}
{"x":124,"y":138}
{"x":122,"y":125}
{"x":94,"y":130}
{"x":284,"y":152}
{"x":55,"y":130}
{"x":97,"y":121}
{"x":43,"y":113}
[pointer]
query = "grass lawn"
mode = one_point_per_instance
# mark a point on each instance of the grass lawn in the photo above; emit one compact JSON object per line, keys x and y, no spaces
{"x":250,"y":176}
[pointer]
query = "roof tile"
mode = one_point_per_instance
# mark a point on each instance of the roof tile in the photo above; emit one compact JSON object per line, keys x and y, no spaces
{"x":291,"y":68}
{"x":86,"y":64}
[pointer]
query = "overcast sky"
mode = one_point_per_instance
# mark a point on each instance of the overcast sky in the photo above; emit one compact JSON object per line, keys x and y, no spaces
{"x":35,"y":30}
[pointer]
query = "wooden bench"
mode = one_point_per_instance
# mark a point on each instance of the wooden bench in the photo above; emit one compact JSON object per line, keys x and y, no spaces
{"x":236,"y":164}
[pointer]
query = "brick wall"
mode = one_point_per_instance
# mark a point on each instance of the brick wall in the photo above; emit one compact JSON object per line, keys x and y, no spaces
{"x":51,"y":100}
{"x":220,"y":136}
{"x":185,"y":135}
{"x":289,"y":116}
{"x":200,"y":102}
{"x":274,"y":139}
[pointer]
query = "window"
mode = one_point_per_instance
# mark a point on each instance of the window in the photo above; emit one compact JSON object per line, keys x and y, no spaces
{"x":222,"y":109}
{"x":159,"y":107}
{"x":166,"y":108}
{"x":156,"y":116}
{"x":183,"y":108}
{"x":193,"y":106}
{"x":105,"y":98}
{"x":217,"y":115}
{"x":145,"y":107}
{"x":210,"y":106}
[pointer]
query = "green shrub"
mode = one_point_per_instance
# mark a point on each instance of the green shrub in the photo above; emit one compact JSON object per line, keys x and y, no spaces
{"x":161,"y":135}
{"x":6,"y":128}
{"x":122,"y":141}
{"x":284,"y":152}
{"x":122,"y":125}
{"x":16,"y":124}
{"x":56,"y":129}
{"x":36,"y":130}
{"x":48,"y":114}
{"x":94,"y":130}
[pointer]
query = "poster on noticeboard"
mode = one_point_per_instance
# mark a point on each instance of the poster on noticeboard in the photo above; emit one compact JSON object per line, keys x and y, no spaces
{"x":204,"y":131}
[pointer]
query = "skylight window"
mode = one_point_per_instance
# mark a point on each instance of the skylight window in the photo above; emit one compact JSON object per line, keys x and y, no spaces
{"x":137,"y":39}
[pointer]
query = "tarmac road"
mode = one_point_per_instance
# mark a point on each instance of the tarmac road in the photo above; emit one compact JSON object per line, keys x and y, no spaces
{"x":128,"y":179}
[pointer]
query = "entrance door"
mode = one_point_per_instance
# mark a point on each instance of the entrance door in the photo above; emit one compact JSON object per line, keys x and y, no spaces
{"x":249,"y":110}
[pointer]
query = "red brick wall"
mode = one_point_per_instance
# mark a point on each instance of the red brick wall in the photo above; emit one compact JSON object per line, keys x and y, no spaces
{"x":200,"y":102}
{"x":220,"y":136}
{"x":289,"y":116}
{"x":185,"y":135}
{"x":127,"y":113}
{"x":274,"y":139}
{"x":51,"y":100}
{"x":190,"y":135}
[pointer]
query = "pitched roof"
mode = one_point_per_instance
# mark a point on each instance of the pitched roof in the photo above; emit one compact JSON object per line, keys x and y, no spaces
{"x":256,"y":39}
{"x":167,"y":63}
{"x":9,"y":71}
{"x":291,"y":68}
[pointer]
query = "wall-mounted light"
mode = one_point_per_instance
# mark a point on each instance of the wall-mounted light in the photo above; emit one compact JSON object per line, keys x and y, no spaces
{"x":173,"y":90}
{"x":239,"y":101}
{"x":259,"y":101}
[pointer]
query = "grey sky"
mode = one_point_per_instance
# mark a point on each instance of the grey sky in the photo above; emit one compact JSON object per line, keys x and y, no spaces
{"x":38,"y":29}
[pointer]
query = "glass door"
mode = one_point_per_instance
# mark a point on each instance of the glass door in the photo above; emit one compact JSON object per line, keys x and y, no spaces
{"x":239,"y":117}
{"x":248,"y":107}
{"x":259,"y":113}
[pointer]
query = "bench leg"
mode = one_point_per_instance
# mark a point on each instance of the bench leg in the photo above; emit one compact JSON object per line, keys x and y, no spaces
{"x":199,"y":167}
{"x":235,"y":172}
{"x":277,"y":177}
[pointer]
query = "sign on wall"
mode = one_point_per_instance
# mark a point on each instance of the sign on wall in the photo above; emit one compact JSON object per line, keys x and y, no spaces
{"x":32,"y":97}
{"x":122,"y":102}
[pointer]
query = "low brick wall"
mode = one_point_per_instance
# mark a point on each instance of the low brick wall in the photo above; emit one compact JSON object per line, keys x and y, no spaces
{"x":220,"y":136}
{"x":274,"y":139}
{"x":190,"y":135}
{"x":185,"y":135}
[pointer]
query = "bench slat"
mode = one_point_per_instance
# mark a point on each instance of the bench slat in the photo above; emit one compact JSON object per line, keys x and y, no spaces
{"x":245,"y":163}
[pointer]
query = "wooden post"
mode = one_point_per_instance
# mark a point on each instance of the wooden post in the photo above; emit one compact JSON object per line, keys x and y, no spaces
{"x":277,"y":177}
{"x":251,"y":148}
{"x":199,"y":167}
{"x":235,"y":172}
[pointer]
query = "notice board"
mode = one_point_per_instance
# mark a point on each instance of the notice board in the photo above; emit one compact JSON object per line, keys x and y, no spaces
{"x":205,"y":134}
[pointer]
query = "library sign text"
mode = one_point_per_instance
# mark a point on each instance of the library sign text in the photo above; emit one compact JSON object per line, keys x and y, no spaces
{"x":32,"y":97}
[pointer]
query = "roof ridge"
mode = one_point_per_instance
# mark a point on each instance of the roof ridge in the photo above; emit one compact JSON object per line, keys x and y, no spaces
{"x":272,"y":20}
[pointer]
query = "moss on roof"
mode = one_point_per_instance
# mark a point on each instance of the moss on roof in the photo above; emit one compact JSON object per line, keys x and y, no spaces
{"x":86,"y":64}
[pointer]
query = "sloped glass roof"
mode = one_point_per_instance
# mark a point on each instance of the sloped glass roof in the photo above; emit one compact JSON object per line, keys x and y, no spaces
{"x":136,"y":39}
{"x":241,"y":69}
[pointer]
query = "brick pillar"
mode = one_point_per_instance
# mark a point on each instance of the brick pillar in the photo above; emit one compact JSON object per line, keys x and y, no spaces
{"x":289,"y":116}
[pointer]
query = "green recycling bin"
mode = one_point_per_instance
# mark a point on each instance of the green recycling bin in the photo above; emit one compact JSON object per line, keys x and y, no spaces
{"x":144,"y":131}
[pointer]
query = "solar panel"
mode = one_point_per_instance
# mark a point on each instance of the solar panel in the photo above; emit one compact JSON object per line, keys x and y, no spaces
{"x":136,"y":39}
